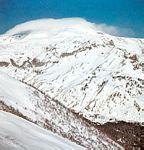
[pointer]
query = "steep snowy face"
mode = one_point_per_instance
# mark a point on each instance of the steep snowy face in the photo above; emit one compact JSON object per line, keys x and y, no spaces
{"x":90,"y":72}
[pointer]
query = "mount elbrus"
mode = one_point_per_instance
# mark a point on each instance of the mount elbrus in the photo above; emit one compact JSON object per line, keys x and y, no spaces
{"x":76,"y":81}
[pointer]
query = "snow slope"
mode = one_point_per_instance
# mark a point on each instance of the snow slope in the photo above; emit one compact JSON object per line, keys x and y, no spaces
{"x":98,"y":75}
{"x":19,"y":134}
{"x":15,"y":94}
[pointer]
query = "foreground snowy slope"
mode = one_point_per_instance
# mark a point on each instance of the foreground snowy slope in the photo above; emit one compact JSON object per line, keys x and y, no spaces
{"x":35,"y":106}
{"x":19,"y":134}
{"x":90,"y":72}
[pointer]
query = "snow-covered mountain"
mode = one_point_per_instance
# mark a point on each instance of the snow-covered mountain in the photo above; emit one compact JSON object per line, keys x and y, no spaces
{"x":70,"y":65}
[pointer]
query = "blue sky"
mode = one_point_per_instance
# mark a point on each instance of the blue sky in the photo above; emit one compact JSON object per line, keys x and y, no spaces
{"x":127,"y":15}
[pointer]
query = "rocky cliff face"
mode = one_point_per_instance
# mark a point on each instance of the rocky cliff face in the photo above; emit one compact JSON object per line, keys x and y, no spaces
{"x":90,"y":76}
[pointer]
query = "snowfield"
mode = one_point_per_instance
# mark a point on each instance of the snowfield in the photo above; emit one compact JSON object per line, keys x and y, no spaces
{"x":18,"y":134}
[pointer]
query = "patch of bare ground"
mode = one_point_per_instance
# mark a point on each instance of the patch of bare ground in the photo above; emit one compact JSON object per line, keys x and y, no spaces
{"x":11,"y":110}
{"x":23,"y":65}
{"x":129,"y":135}
{"x":4,"y":64}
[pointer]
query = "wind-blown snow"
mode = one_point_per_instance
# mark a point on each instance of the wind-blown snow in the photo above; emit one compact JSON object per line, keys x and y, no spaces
{"x":19,"y":134}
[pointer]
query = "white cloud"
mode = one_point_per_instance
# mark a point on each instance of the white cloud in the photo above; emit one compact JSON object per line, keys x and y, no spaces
{"x":114,"y":30}
{"x":56,"y":25}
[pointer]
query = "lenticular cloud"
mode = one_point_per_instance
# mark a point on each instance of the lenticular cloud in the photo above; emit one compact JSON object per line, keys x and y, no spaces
{"x":53,"y":26}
